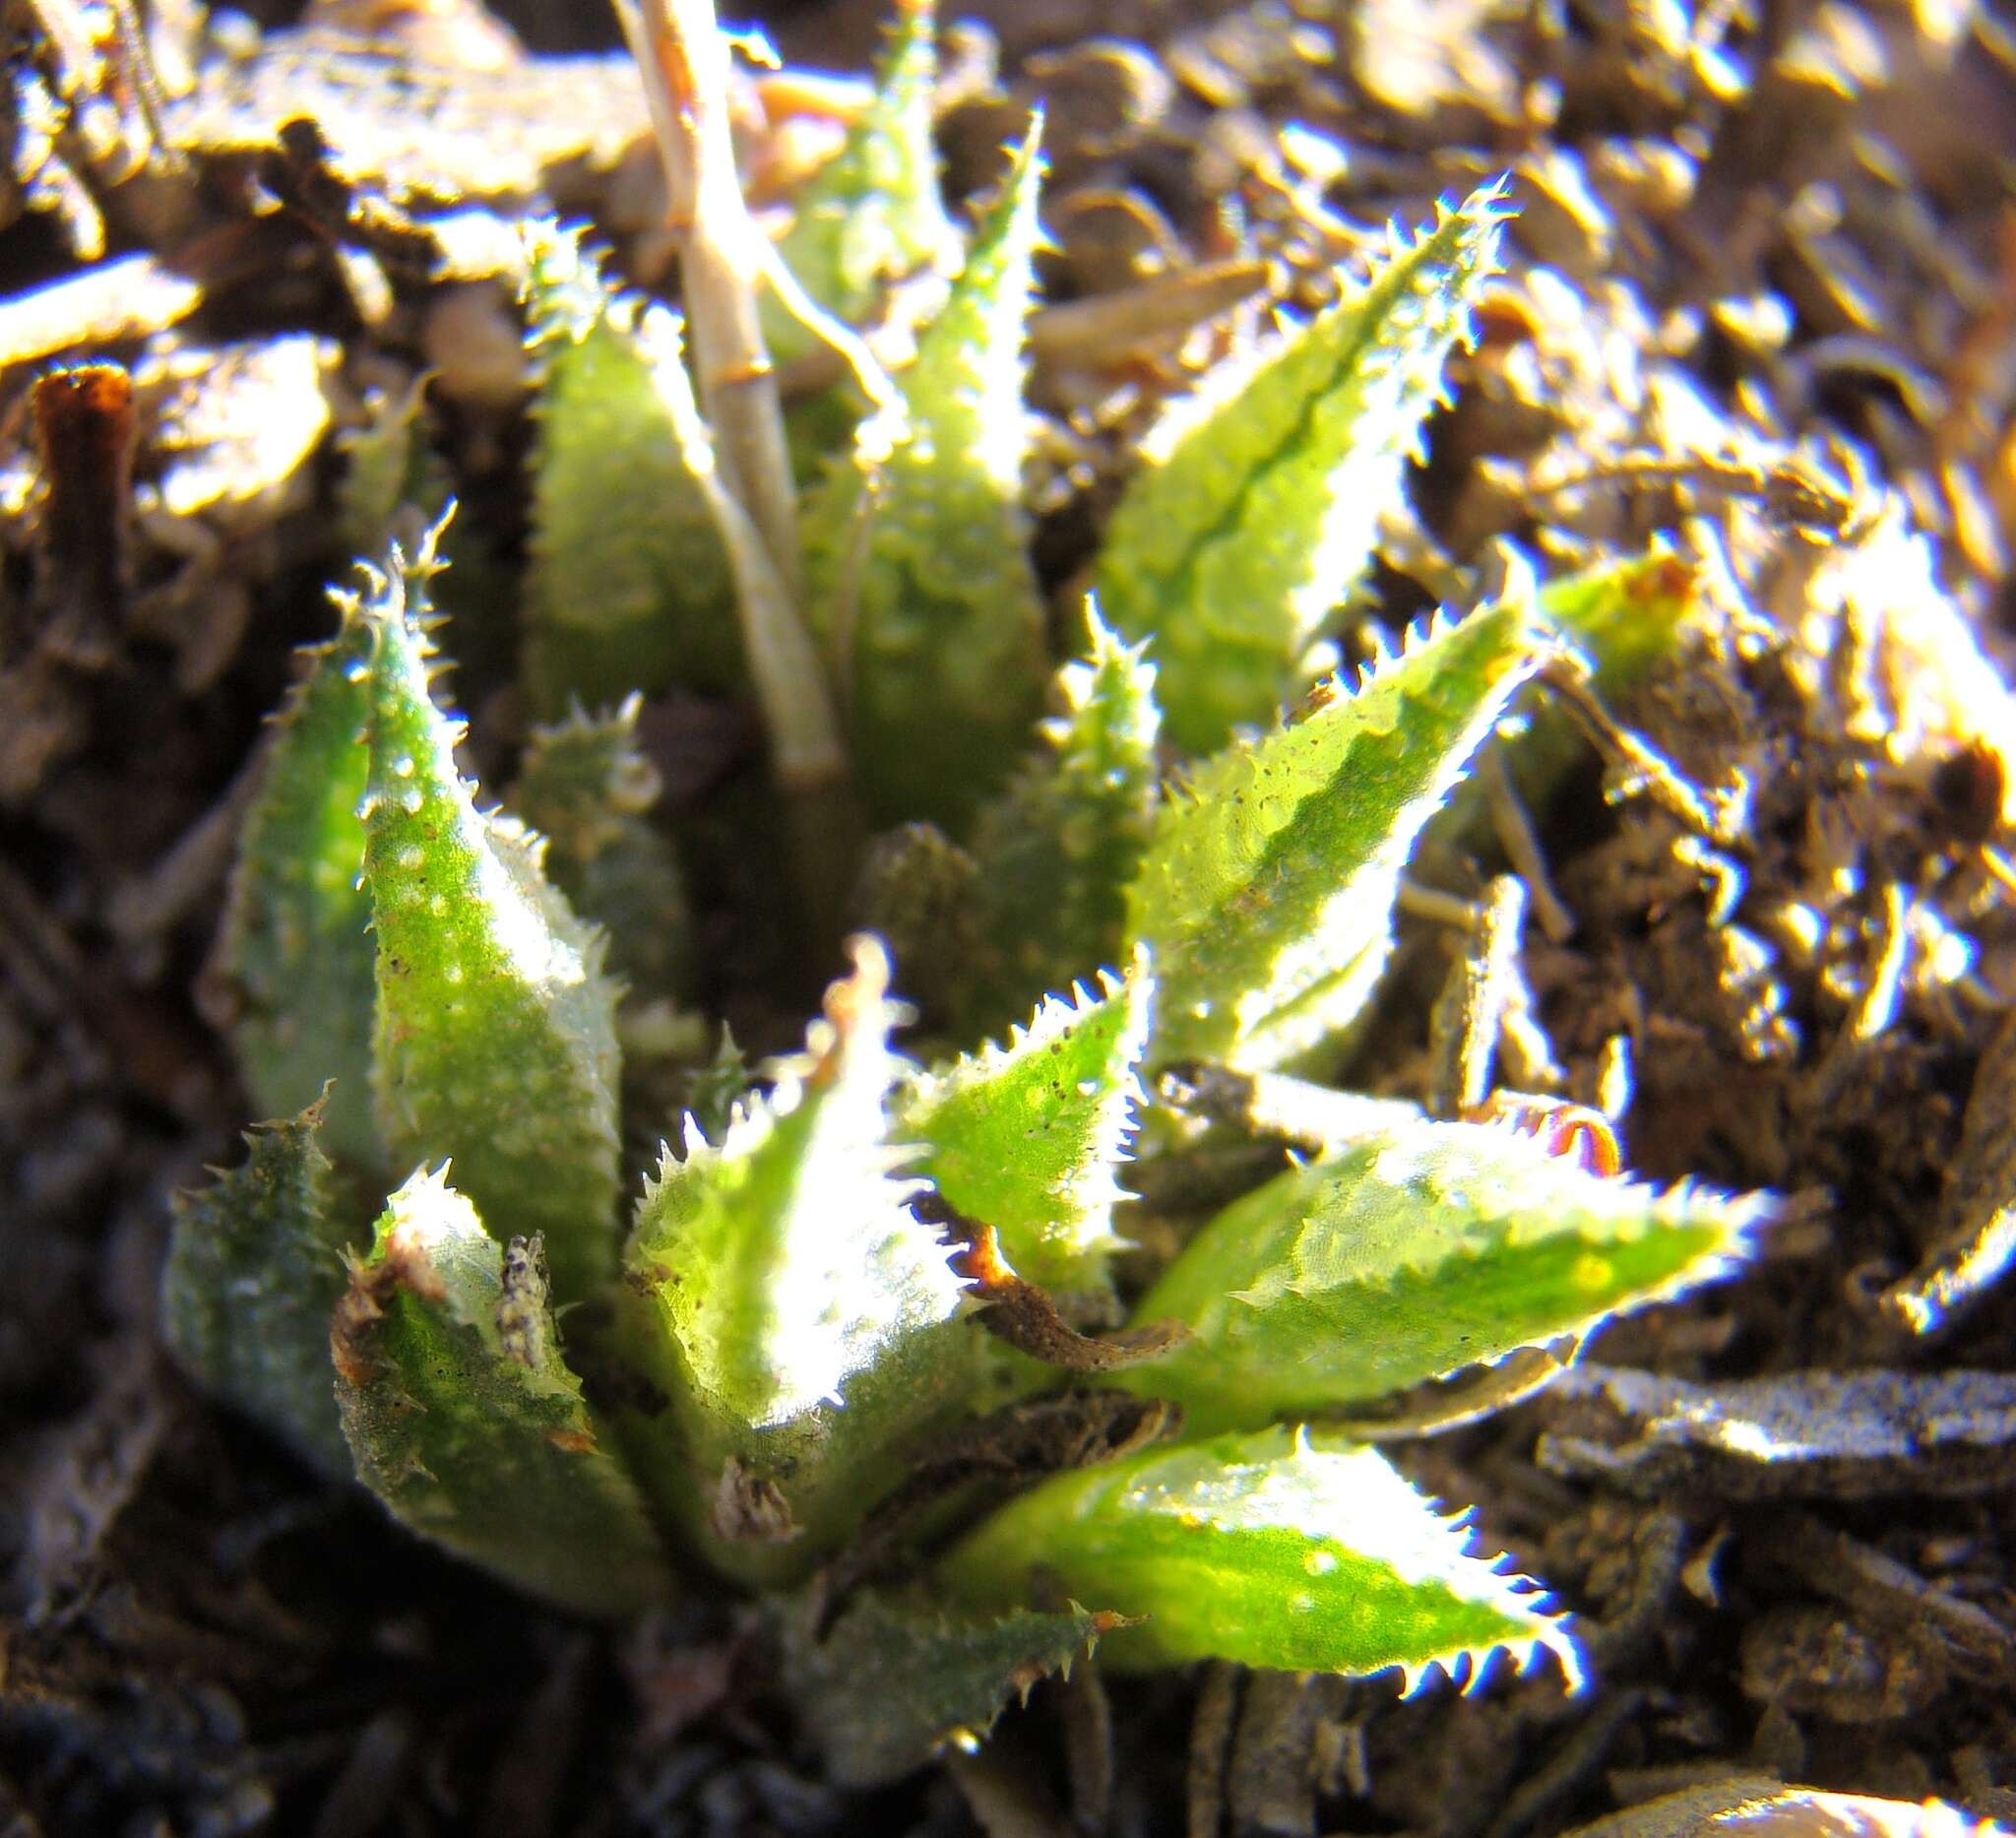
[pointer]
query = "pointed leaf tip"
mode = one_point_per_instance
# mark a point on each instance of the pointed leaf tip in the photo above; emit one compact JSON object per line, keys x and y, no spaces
{"x":1258,"y":506}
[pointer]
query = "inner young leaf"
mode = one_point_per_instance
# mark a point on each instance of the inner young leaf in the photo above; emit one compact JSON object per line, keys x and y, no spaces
{"x":1027,"y":1138}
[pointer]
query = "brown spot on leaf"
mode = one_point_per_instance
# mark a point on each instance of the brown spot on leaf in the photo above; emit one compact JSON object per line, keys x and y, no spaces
{"x":403,"y":1265}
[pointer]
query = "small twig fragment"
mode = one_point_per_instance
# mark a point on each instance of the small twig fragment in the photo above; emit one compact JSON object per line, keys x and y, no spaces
{"x":1026,"y":1316}
{"x":86,"y":432}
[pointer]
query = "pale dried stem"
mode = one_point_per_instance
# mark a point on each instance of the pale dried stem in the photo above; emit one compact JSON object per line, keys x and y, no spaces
{"x":724,"y":262}
{"x":722,"y":255}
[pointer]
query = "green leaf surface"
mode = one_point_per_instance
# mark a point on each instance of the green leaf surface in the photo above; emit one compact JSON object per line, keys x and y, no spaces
{"x":1420,"y":1249}
{"x":1027,"y":1138}
{"x":391,"y":466}
{"x":1266,"y":895}
{"x":1623,"y":615}
{"x":295,"y":952}
{"x":586,"y":787}
{"x":782,"y":1295}
{"x":916,"y":893}
{"x":1058,"y":848}
{"x":495,"y":1038}
{"x":1258,"y":504}
{"x":465,"y":1419}
{"x":629,"y":586}
{"x":917,"y":565}
{"x":255,"y":1267}
{"x":873,"y":214}
{"x":891,"y":1683}
{"x":1269,"y":1550}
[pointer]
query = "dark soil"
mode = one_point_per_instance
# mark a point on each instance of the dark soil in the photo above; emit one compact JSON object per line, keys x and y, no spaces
{"x":1778,"y":317}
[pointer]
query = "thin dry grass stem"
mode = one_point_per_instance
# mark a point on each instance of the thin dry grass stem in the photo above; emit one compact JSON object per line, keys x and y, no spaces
{"x":724,"y":261}
{"x":683,"y":60}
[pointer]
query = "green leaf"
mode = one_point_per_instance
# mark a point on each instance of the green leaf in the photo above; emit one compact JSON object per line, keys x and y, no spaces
{"x":713,"y":1089}
{"x":295,"y":953}
{"x":918,"y":549}
{"x":254,"y":1269}
{"x":916,"y":893}
{"x":872,"y":213}
{"x":1028,"y":1137}
{"x":1057,"y":849}
{"x":1265,"y":896}
{"x":1268,"y":1549}
{"x":495,"y":1037}
{"x":586,"y":787}
{"x":465,"y":1419}
{"x":1622,"y":615}
{"x":1259,"y":501}
{"x":890,"y":1683}
{"x":391,"y":466}
{"x":783,"y":1296}
{"x":629,"y":584}
{"x":1420,"y":1249}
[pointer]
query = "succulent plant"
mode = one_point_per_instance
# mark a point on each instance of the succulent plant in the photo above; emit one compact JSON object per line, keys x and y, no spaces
{"x":874,"y":1339}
